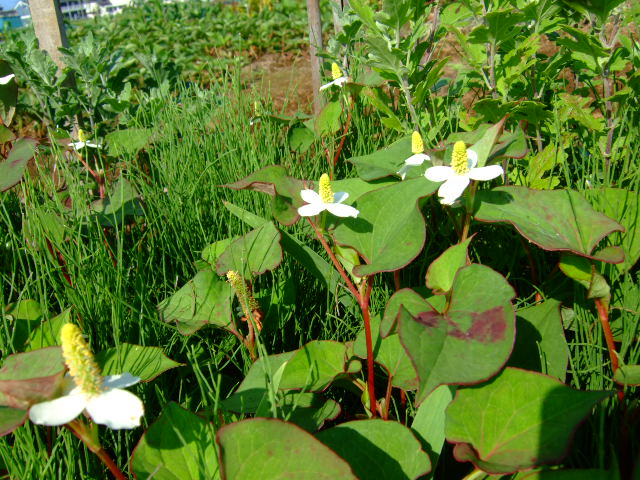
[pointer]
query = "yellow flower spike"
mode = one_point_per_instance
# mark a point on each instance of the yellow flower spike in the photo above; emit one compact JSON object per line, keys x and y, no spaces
{"x":459,"y":174}
{"x":460,"y":159}
{"x":82,"y":136}
{"x":417,"y":145}
{"x":86,"y":390}
{"x":325,"y":199}
{"x":79,"y":359}
{"x":326,"y":193}
{"x":247,"y":301}
{"x":336,"y":73}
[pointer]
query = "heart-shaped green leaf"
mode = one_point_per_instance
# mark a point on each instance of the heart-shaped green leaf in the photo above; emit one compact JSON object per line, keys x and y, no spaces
{"x":471,"y":340}
{"x":627,"y":375}
{"x":121,"y":203}
{"x":308,"y":258}
{"x":254,"y":387}
{"x":144,"y":362}
{"x":253,"y":253}
{"x":283,"y":189}
{"x":13,"y":167}
{"x":178,"y":445}
{"x":540,"y":342}
{"x":384,"y":162}
{"x":32,"y":377}
{"x":428,"y":424}
{"x":406,"y":299}
{"x":24,"y":317}
{"x":314,"y":366}
{"x":443,"y":269}
{"x":389,"y":232}
{"x":624,"y":207}
{"x":552,"y":219}
{"x":205,"y":299}
{"x":516,"y":421}
{"x":128,"y":141}
{"x":275,"y":450}
{"x":10,"y":419}
{"x":48,"y":334}
{"x":377,"y":449}
{"x":307,"y":410}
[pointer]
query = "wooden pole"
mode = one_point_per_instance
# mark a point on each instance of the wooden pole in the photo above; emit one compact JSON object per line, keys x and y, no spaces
{"x":315,"y":44}
{"x":49,"y":27}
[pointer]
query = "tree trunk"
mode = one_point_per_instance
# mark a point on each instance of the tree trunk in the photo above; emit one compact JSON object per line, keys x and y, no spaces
{"x":49,"y":28}
{"x":315,"y":44}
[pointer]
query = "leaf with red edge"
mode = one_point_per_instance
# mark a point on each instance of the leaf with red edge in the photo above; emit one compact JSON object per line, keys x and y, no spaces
{"x":13,"y":167}
{"x":10,"y":419}
{"x":253,"y":253}
{"x":517,"y":421}
{"x":32,"y":377}
{"x":470,"y":341}
{"x":552,"y":219}
{"x":283,"y":189}
{"x":205,"y":299}
{"x":389,"y":232}
{"x":276,"y":450}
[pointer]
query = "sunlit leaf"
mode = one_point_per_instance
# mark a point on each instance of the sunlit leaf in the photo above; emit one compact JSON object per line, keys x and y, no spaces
{"x":471,"y":340}
{"x":516,"y":421}
{"x":275,"y":450}
{"x":32,"y":377}
{"x":314,"y":366}
{"x":283,"y":189}
{"x":389,"y":232}
{"x":144,"y":362}
{"x":179,"y":445}
{"x":12,"y":168}
{"x":552,"y":219}
{"x":443,"y":269}
{"x":205,"y":299}
{"x":253,"y":253}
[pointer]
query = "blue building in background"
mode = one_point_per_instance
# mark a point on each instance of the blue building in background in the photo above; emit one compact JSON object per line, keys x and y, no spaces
{"x":10,"y":19}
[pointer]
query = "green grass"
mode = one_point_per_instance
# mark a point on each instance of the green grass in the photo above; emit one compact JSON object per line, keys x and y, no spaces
{"x":202,"y":141}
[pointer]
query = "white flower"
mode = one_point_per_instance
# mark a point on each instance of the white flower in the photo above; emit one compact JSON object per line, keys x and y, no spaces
{"x":86,"y":389}
{"x":460,"y":173}
{"x":83,"y":142}
{"x":325,"y":200}
{"x":339,"y":78}
{"x":113,"y":407}
{"x":417,"y":159}
{"x":6,"y":79}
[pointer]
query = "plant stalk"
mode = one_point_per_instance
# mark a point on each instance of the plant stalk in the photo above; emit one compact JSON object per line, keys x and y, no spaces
{"x":364,"y":305}
{"x":79,"y":429}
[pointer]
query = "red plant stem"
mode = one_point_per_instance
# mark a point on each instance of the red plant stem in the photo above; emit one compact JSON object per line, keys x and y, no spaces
{"x":364,"y":306}
{"x":109,"y":250}
{"x":387,"y":399}
{"x":363,"y":301}
{"x":96,"y":176}
{"x":608,"y":335}
{"x":604,"y":320}
{"x":336,"y":262}
{"x":396,"y":280}
{"x":344,"y":134}
{"x":61,"y":263}
{"x":79,"y":431}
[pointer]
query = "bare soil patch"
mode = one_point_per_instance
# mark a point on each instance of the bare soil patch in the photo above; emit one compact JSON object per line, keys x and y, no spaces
{"x":285,"y":78}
